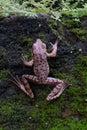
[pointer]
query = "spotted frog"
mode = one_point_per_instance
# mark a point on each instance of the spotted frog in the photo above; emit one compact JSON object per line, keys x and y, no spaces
{"x":41,"y":71}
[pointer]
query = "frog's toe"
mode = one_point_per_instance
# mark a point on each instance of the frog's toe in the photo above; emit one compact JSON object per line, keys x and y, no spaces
{"x":31,"y":95}
{"x":48,"y":98}
{"x":56,"y":92}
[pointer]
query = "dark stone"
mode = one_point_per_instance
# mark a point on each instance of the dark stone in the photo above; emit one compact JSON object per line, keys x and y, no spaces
{"x":12,"y":31}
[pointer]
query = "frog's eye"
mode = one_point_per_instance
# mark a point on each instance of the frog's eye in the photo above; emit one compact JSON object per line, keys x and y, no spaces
{"x":44,"y":46}
{"x":34,"y":46}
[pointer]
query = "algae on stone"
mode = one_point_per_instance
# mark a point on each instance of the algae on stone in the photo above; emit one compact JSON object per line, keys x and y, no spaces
{"x":3,"y":74}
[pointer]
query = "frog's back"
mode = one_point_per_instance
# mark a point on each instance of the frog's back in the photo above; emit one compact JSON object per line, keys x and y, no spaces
{"x":41,"y":67}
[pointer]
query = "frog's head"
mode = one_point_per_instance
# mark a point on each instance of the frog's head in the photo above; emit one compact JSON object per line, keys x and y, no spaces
{"x":39,"y":46}
{"x":39,"y":43}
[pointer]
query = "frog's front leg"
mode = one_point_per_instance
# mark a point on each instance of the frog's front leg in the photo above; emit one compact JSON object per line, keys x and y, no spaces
{"x":58,"y":90}
{"x":28,"y":63}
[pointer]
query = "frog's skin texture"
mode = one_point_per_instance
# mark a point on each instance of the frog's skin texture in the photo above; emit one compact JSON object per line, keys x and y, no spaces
{"x":41,"y":71}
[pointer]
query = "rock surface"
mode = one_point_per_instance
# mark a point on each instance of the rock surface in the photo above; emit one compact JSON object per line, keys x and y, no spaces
{"x":17,"y":34}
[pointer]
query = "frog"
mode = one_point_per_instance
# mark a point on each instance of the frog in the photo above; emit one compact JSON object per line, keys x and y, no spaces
{"x":41,"y":72}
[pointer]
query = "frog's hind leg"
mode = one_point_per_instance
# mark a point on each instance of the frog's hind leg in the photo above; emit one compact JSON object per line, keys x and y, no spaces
{"x":58,"y":90}
{"x":24,"y":86}
{"x":31,"y":78}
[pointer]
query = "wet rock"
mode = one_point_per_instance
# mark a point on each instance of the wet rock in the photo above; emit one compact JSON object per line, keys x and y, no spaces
{"x":17,"y":34}
{"x":7,"y":89}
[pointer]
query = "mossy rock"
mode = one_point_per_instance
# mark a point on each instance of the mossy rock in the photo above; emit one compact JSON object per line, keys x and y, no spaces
{"x":76,"y":14}
{"x":80,"y":70}
{"x":28,"y":41}
{"x":52,"y":23}
{"x":70,"y":23}
{"x":80,"y":33}
{"x":1,"y":55}
{"x":2,"y":16}
{"x":20,"y":112}
{"x":42,"y":37}
{"x":3,"y":74}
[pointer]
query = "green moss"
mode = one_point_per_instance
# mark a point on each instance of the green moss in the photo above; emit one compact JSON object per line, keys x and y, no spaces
{"x":70,"y":125}
{"x":56,"y":28}
{"x":28,"y":41}
{"x":78,"y":91}
{"x":7,"y":109}
{"x":70,"y":23}
{"x":67,"y":78}
{"x":52,"y":23}
{"x":61,"y":75}
{"x":80,"y":33}
{"x":27,"y":56}
{"x":75,"y":95}
{"x":78,"y":99}
{"x":42,"y":36}
{"x":3,"y":74}
{"x":53,"y":26}
{"x":21,"y":112}
{"x":2,"y":17}
{"x":2,"y":128}
{"x":75,"y":13}
{"x":80,"y":70}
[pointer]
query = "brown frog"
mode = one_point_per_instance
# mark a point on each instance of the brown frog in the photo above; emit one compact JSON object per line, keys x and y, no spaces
{"x":41,"y":71}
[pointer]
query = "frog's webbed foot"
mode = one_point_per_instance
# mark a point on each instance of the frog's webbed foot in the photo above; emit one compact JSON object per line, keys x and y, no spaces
{"x":57,"y":91}
{"x":17,"y":82}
